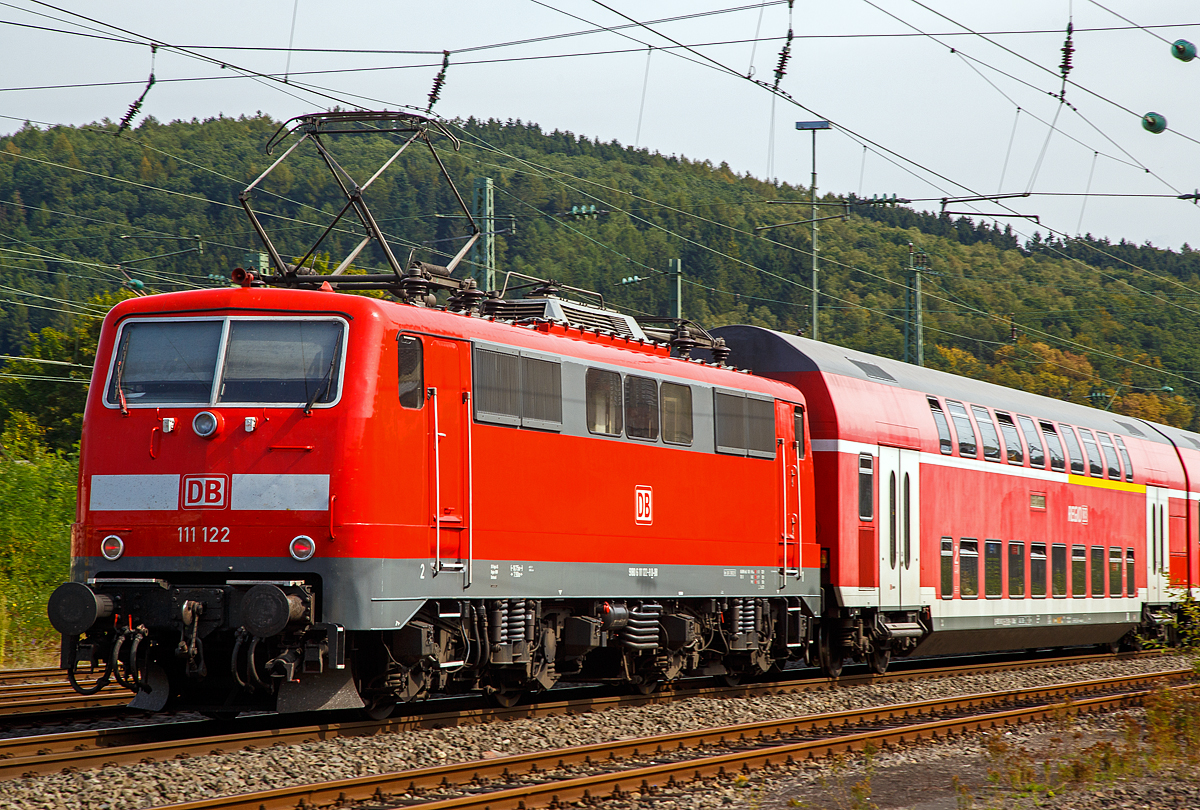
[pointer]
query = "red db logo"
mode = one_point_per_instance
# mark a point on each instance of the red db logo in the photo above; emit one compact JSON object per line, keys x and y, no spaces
{"x":205,"y":491}
{"x":643,"y":510}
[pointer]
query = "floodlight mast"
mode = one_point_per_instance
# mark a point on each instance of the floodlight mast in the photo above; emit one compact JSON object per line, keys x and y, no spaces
{"x":813,"y":126}
{"x":411,"y":282}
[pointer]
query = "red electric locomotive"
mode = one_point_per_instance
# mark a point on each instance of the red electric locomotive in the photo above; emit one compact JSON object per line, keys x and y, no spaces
{"x":959,"y":516}
{"x":301,"y":499}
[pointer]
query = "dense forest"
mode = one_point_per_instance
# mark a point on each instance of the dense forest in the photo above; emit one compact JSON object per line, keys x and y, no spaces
{"x":89,"y":215}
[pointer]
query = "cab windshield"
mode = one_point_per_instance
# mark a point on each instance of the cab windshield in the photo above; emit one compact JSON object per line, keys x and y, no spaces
{"x":242,"y":361}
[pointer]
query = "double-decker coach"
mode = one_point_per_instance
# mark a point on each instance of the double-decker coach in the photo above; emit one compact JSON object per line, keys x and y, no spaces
{"x":960,"y":516}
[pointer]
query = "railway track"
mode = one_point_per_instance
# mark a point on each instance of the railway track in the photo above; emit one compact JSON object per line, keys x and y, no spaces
{"x":566,"y":775}
{"x":44,"y":692}
{"x":49,"y":753}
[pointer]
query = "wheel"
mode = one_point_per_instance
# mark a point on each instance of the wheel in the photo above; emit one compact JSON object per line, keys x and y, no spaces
{"x":830,"y":654}
{"x":879,"y":659}
{"x":647,"y":687}
{"x":381,"y":710}
{"x":505,"y":699}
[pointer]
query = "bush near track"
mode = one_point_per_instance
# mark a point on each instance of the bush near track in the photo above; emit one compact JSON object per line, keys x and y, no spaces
{"x":37,"y":505}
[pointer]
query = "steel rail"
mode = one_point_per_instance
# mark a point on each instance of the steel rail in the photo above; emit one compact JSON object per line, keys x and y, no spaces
{"x":49,"y":753}
{"x":618,"y":782}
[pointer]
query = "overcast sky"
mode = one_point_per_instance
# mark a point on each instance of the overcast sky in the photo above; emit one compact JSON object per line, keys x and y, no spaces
{"x":938,"y":114}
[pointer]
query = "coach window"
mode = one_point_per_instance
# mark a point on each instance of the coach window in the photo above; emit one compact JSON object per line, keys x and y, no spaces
{"x":1037,"y":458}
{"x":1125,"y":457}
{"x":1058,"y":461}
{"x":892,"y":507}
{"x":1078,"y":571}
{"x":1110,"y":456}
{"x":967,"y":448}
{"x":1073,"y":448}
{"x":641,"y":408}
{"x":968,"y":568}
{"x":947,"y":568}
{"x":800,"y":433}
{"x":676,"y":413}
{"x":1130,"y":573}
{"x":411,"y":371}
{"x":987,"y":432}
{"x":866,"y":487}
{"x":1012,"y":441}
{"x":1095,"y":464}
{"x":1058,"y":570}
{"x":945,"y":441}
{"x":1098,"y":571}
{"x":603,"y":389}
{"x":1037,"y":570}
{"x":1114,"y":571}
{"x":993,"y":569}
{"x":1016,"y":570}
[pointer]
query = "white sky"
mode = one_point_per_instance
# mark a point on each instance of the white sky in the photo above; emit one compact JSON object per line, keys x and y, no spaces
{"x":911,"y":95}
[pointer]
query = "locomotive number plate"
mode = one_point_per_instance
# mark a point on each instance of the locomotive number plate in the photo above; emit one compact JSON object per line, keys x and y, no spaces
{"x":203,"y":534}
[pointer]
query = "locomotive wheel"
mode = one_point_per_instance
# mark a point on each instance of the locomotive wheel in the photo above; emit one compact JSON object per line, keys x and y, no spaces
{"x":505,"y":699}
{"x":879,"y":659}
{"x":829,"y":653}
{"x":380,"y":710}
{"x":646,"y":687}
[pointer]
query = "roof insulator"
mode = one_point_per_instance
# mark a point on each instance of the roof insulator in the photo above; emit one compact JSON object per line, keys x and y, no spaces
{"x":1183,"y":50}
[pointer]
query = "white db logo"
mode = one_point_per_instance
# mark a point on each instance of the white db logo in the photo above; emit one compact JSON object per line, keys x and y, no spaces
{"x":205,"y":491}
{"x":643,"y":510}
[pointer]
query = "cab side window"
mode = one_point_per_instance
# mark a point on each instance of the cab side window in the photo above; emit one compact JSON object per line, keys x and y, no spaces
{"x":411,"y":367}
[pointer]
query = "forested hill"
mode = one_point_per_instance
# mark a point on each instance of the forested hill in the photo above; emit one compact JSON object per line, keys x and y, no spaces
{"x":82,"y":211}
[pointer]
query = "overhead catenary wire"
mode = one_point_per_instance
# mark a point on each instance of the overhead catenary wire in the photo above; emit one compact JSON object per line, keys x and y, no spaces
{"x":923,"y":167}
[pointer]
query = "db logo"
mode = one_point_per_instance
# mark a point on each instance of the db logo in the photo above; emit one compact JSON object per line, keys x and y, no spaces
{"x":205,"y":491}
{"x":643,"y":510}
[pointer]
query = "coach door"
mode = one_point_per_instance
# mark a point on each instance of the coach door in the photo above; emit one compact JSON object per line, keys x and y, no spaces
{"x":899,"y":531}
{"x":448,"y":414}
{"x":1158,"y":561}
{"x":791,"y":447}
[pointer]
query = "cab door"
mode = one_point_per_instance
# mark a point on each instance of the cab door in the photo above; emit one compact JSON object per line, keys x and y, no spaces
{"x":448,"y":414}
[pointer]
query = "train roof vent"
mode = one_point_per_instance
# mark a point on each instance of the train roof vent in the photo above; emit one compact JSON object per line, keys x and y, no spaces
{"x":593,"y":318}
{"x":516,"y":310}
{"x":1130,"y":427}
{"x":873,"y":371}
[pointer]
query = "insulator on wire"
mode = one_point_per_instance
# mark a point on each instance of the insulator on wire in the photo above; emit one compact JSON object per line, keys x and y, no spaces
{"x":438,"y":82}
{"x":1183,"y":50}
{"x":784,"y":56}
{"x":137,"y":105}
{"x":1068,"y":50}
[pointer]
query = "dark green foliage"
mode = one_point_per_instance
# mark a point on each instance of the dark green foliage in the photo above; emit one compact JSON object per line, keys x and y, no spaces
{"x":68,"y":196}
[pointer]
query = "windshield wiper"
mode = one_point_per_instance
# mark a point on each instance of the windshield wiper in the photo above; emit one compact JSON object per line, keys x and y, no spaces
{"x":325,"y":381}
{"x":120,"y":377}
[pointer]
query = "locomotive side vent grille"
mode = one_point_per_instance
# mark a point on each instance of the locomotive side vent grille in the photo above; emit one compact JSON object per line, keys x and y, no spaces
{"x":873,"y":371}
{"x":1131,"y":428}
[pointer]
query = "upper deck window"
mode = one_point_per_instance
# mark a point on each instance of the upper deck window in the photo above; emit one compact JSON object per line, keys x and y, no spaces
{"x":1076,"y":452}
{"x":263,"y":361}
{"x":1012,"y":441}
{"x":945,"y":441}
{"x":967,"y":448}
{"x":987,"y":430}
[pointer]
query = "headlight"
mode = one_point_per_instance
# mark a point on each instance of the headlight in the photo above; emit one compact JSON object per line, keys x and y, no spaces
{"x":112,"y":547}
{"x":207,"y":424}
{"x":302,"y":547}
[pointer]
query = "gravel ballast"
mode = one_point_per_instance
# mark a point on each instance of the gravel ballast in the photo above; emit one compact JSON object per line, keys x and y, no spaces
{"x":197,"y":777}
